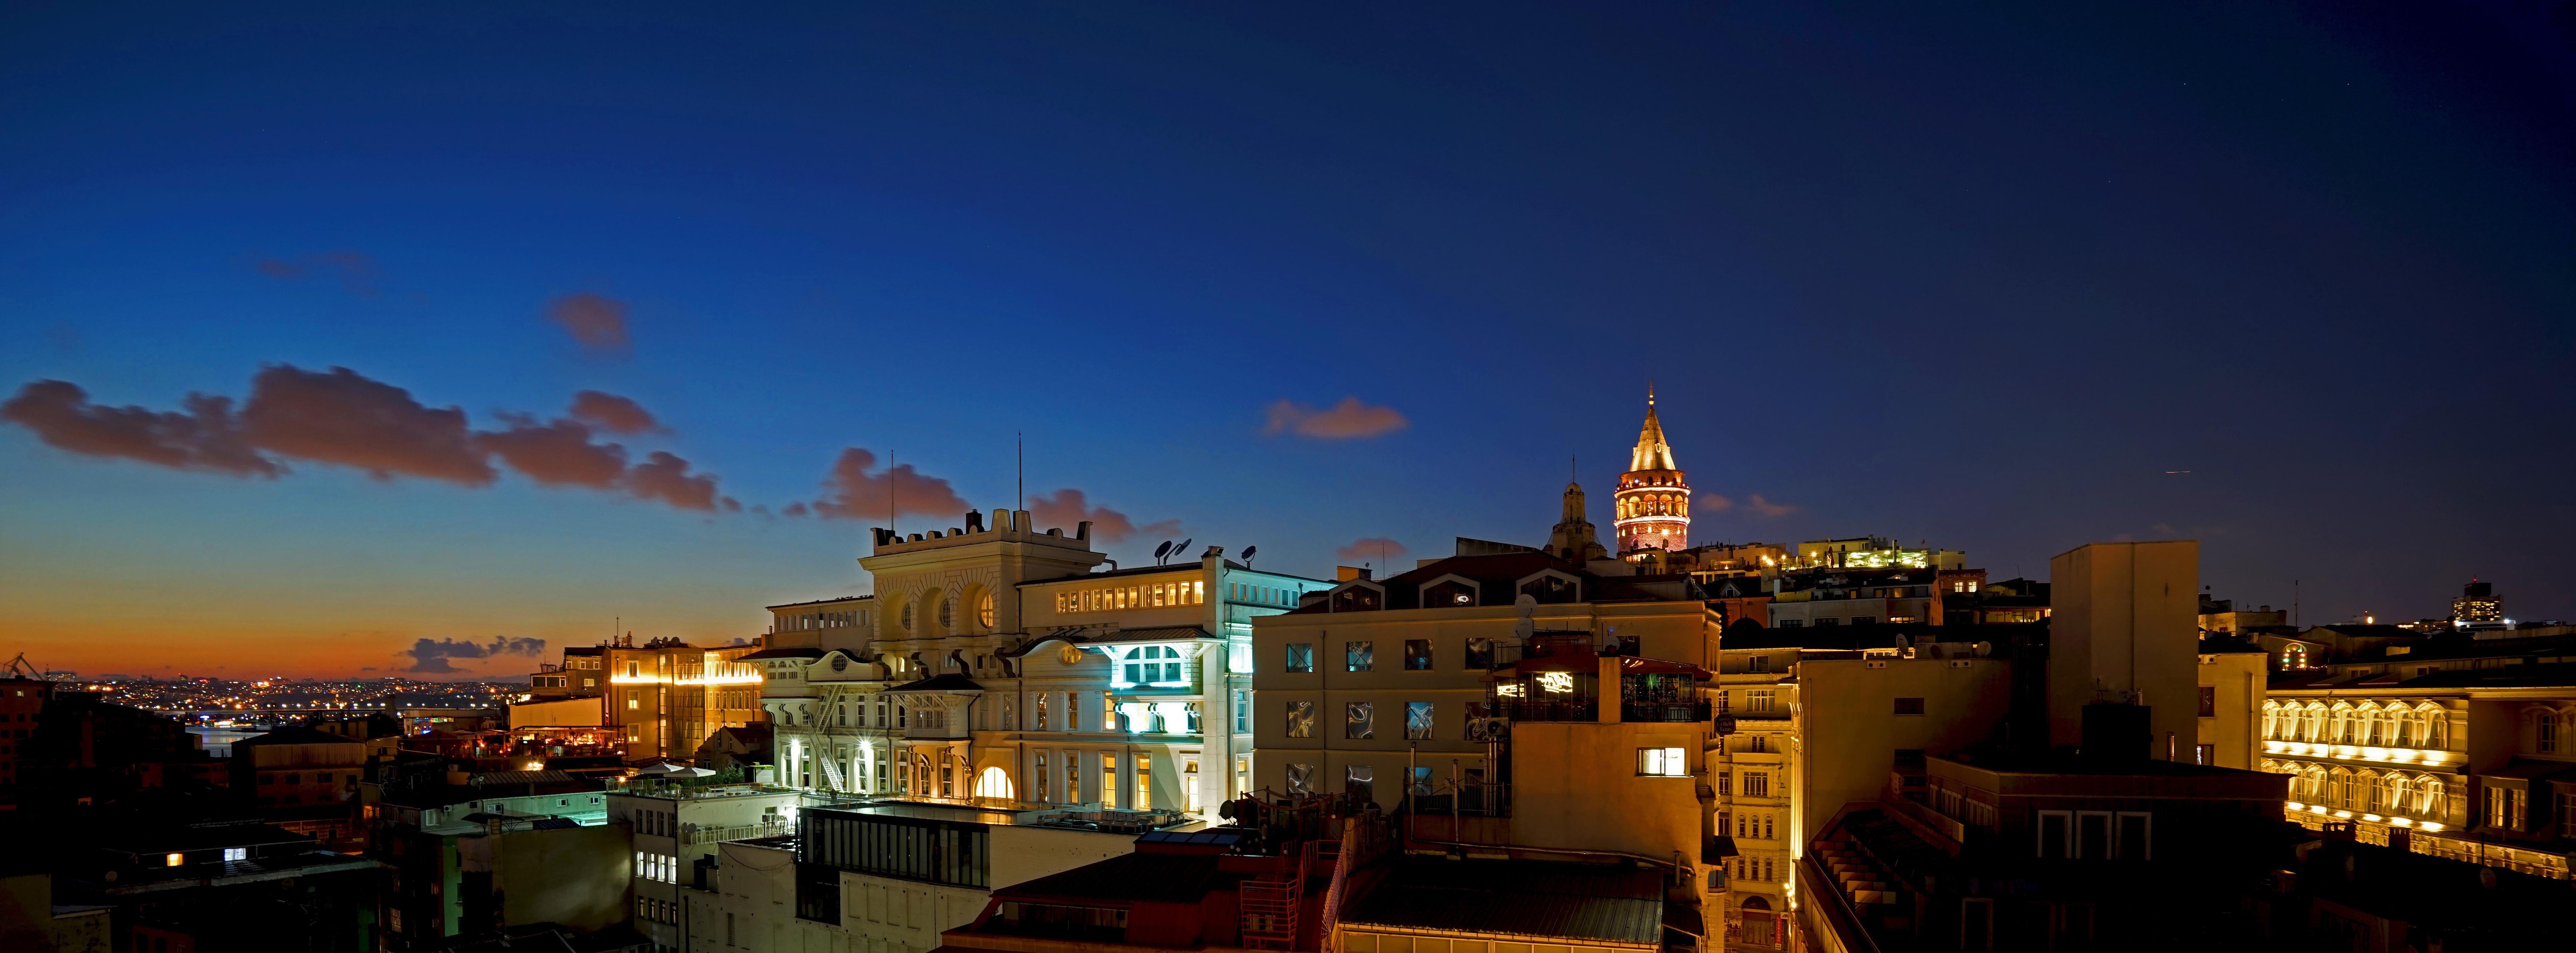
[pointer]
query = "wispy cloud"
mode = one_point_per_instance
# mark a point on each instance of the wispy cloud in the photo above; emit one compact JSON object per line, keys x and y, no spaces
{"x":1348,"y":420}
{"x":356,"y":271}
{"x":1765,"y":507}
{"x":597,"y":322}
{"x":1377,"y":550}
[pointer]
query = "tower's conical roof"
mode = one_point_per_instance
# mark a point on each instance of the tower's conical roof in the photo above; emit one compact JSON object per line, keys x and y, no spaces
{"x":1652,"y":452}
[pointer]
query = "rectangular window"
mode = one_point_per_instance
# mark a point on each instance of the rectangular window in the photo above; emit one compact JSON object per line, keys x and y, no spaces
{"x":1417,"y":721}
{"x":1301,"y":779}
{"x":1761,"y":664}
{"x":1793,"y":623}
{"x":2053,"y":830}
{"x":1301,"y":719}
{"x":1361,"y":781}
{"x":236,"y":853}
{"x":1360,"y":721}
{"x":1417,"y":655}
{"x":1421,"y":783}
{"x":1242,"y":714}
{"x":1757,"y":784}
{"x":1109,"y":780}
{"x":1040,"y":773}
{"x":1480,"y":655}
{"x":1758,"y":702}
{"x":2208,"y":701}
{"x":1359,"y":656}
{"x":1662,"y":762}
{"x":1301,"y":657}
{"x":1909,"y":706}
{"x":1144,"y":783}
{"x":2205,"y":754}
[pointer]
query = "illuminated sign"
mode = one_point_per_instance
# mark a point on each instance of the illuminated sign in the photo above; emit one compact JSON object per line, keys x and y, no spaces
{"x":1556,"y":683}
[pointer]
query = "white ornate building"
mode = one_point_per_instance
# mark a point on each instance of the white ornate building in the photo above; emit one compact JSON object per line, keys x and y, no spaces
{"x":993,"y":662}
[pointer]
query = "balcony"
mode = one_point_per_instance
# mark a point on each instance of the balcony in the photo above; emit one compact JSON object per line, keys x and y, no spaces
{"x":1578,"y":710}
{"x":1670,"y":712}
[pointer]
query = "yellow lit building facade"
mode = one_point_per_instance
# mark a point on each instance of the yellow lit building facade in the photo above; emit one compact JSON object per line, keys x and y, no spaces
{"x":670,"y":696}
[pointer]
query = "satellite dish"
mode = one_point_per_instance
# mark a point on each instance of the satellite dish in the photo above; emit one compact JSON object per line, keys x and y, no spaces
{"x":1162,"y":549}
{"x":1247,"y":554}
{"x":1185,"y":544}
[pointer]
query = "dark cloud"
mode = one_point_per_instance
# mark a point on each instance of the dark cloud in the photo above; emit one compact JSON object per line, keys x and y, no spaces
{"x":597,"y":322}
{"x":344,"y":418}
{"x":665,"y":477}
{"x":1068,"y":506}
{"x":614,"y":414}
{"x":205,"y":437}
{"x":1347,"y":420}
{"x":794,"y":509}
{"x":1372,"y":549}
{"x":558,"y":453}
{"x":430,"y":656}
{"x":856,"y":494}
{"x":356,"y":271}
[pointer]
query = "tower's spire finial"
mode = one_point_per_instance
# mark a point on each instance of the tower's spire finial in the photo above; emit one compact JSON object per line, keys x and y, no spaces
{"x":1650,"y":392}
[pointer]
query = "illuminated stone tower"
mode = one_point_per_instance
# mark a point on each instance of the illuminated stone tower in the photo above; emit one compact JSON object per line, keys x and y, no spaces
{"x":1654,"y":502}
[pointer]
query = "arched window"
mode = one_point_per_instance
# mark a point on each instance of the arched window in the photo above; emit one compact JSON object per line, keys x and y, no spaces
{"x":2369,"y":719}
{"x":1148,"y":664}
{"x":2339,"y":725}
{"x":907,"y":616}
{"x":2339,"y":788}
{"x":2400,"y":796}
{"x":2313,"y":727}
{"x":984,"y":614}
{"x":2401,"y":726}
{"x":2429,"y":802}
{"x":2271,"y":721}
{"x":994,"y":782}
{"x":2436,"y":722}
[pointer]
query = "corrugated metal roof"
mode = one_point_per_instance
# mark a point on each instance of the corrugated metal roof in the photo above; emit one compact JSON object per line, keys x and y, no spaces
{"x":1533,"y":898}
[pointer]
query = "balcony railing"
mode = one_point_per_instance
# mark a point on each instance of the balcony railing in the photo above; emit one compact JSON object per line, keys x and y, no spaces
{"x":1583,"y":710}
{"x":1663,"y":711}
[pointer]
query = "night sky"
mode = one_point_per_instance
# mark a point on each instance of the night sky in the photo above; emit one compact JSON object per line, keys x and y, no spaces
{"x":502,"y":327}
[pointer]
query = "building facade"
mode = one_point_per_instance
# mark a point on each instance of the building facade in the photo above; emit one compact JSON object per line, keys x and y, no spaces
{"x":994,"y":663}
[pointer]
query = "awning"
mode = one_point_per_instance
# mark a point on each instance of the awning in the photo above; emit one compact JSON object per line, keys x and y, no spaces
{"x":1683,"y":919}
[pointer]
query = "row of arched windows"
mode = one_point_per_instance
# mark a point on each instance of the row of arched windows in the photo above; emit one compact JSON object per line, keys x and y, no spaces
{"x":2363,"y":789}
{"x":1653,"y":504}
{"x":2394,"y":725}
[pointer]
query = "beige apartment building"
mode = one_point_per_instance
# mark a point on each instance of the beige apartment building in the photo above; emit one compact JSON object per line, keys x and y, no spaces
{"x":1375,"y":684}
{"x":670,"y":695}
{"x":995,"y":663}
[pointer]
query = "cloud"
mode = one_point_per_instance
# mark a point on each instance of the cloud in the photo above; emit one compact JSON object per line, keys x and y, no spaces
{"x":1068,"y":507}
{"x":1371,"y":549}
{"x":613,"y":413}
{"x":431,"y":655}
{"x":665,"y":477}
{"x":1347,"y":420}
{"x":343,"y":418}
{"x":1710,"y":503}
{"x":794,"y":509}
{"x":558,"y":453}
{"x":1767,"y":508}
{"x":856,"y":494}
{"x":598,"y":323}
{"x":356,"y":271}
{"x":206,"y":437}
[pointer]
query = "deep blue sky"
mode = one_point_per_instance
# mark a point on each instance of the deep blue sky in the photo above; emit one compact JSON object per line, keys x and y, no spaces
{"x":1975,"y":275}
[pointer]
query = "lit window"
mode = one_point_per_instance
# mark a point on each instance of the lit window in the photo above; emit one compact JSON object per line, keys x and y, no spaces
{"x":1662,"y":762}
{"x":1301,"y":657}
{"x":236,"y":853}
{"x":1301,"y":719}
{"x":174,"y":860}
{"x":1359,"y":656}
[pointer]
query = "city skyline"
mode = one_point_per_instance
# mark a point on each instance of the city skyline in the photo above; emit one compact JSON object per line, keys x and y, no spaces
{"x":2009,"y":285}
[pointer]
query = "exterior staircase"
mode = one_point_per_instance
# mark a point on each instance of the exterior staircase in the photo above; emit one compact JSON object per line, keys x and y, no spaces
{"x":832,"y":772}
